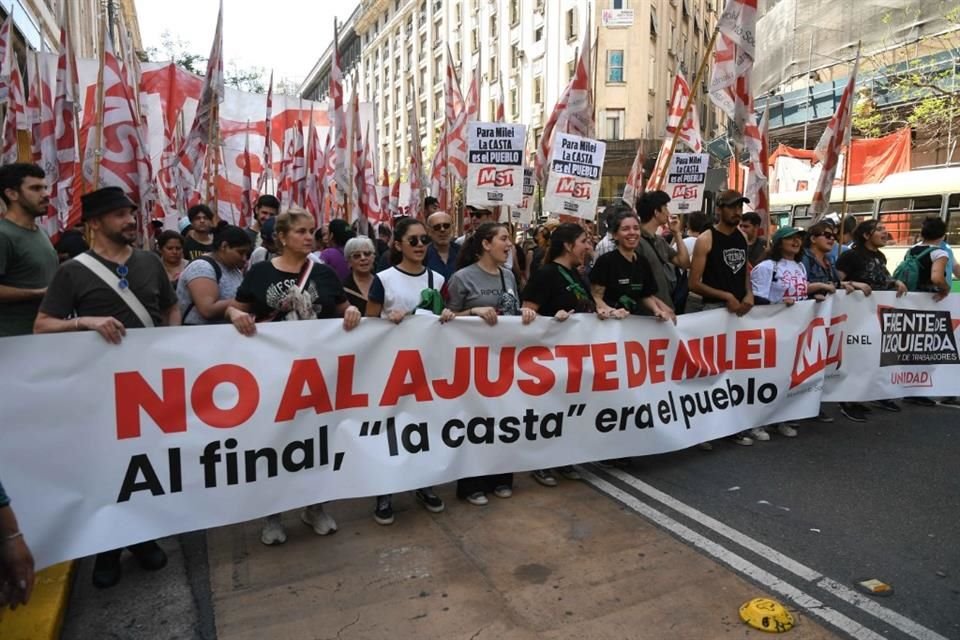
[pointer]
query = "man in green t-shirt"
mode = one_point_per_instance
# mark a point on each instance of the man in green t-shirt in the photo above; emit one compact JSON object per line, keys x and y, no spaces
{"x":27,"y":258}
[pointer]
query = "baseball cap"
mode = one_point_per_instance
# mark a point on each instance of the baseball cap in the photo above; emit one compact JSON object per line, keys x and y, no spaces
{"x":730,"y":197}
{"x":786,"y":232}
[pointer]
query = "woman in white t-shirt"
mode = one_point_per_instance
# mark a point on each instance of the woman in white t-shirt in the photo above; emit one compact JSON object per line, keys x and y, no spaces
{"x":406,"y":288}
{"x":781,"y":278}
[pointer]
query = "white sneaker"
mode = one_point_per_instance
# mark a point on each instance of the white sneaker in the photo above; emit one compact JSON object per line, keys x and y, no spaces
{"x":759,"y":433}
{"x":273,"y":532}
{"x":742,"y":439}
{"x":786,"y":430}
{"x":503,"y":491}
{"x":319,"y":520}
{"x":479,"y":498}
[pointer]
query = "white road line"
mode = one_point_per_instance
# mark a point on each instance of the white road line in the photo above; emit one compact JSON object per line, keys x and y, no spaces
{"x":910,"y":627}
{"x":773,"y":583}
{"x":730,"y":533}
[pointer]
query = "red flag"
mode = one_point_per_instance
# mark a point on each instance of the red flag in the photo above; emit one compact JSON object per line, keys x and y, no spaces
{"x":370,"y":198}
{"x":439,"y":170}
{"x":298,"y":166}
{"x":457,"y":138}
{"x":834,"y":138}
{"x":64,"y":110}
{"x":43,"y":144}
{"x":634,"y":186}
{"x":356,"y":161}
{"x":16,"y":113}
{"x":659,"y":173}
{"x":758,"y":178}
{"x":415,"y":169}
{"x":313,"y":198}
{"x":573,"y":112}
{"x":395,"y":197}
{"x":384,"y":193}
{"x":690,"y":131}
{"x":169,"y":178}
{"x":338,"y":121}
{"x":267,"y":174}
{"x":246,"y":194}
{"x":328,"y":190}
{"x":501,"y":115}
{"x":195,"y":143}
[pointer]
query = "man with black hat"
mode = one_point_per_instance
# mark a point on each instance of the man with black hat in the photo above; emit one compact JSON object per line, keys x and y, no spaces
{"x":27,"y":259}
{"x":109,"y":289}
{"x":719,"y":271}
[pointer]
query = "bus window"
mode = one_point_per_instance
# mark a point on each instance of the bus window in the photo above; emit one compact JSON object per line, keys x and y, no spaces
{"x":860,"y":208}
{"x":903,"y":216}
{"x":953,"y":219}
{"x":801,"y":216}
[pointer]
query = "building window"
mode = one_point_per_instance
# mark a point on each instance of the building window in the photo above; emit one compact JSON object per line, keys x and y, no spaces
{"x":514,"y":12}
{"x":475,"y":40}
{"x":571,"y":23}
{"x":618,"y":4}
{"x":672,"y":42}
{"x":615,"y":65}
{"x":652,"y":75}
{"x":613,"y":124}
{"x":494,"y":70}
{"x":493,"y":26}
{"x":514,"y":102}
{"x":571,"y":69}
{"x":457,"y":15}
{"x":654,"y":27}
{"x":514,"y":57}
{"x":538,"y":90}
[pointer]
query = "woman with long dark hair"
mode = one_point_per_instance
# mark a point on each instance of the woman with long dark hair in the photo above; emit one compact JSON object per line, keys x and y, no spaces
{"x":557,"y":290}
{"x":407,"y":288}
{"x":170,"y":248}
{"x":291,"y":286}
{"x":482,"y":286}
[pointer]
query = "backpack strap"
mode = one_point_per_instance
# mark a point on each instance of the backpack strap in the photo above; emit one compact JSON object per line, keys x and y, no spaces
{"x":113,"y":282}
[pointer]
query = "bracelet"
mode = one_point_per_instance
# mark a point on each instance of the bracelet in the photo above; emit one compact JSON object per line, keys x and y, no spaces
{"x":76,"y":323}
{"x":13,"y":536}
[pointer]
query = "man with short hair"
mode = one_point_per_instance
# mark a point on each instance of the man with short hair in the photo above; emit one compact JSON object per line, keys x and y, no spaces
{"x":442,"y":253}
{"x":430,"y":206}
{"x":719,"y":271}
{"x":110,"y":289}
{"x":199,"y":237}
{"x":27,"y":259}
{"x":750,"y":223}
{"x":663,"y":259}
{"x":267,"y":206}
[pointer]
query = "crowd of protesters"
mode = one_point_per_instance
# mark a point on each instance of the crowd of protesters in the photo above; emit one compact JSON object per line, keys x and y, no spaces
{"x":282,"y":268}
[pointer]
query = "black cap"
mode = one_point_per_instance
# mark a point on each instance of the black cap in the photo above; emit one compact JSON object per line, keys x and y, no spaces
{"x":730,"y":197}
{"x":96,"y":203}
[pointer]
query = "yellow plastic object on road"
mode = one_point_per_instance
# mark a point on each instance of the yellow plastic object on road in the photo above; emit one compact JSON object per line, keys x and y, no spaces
{"x":42,"y":618}
{"x":766,"y":615}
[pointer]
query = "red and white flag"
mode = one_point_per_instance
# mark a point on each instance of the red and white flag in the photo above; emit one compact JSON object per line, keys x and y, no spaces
{"x":573,"y":112}
{"x":690,"y":131}
{"x":328,"y":187}
{"x":758,"y":177}
{"x":370,"y":196}
{"x":313,"y":198}
{"x":835,"y":137}
{"x":267,"y":174}
{"x":65,"y":111}
{"x":440,"y":168}
{"x":384,"y":192}
{"x":501,"y":114}
{"x":298,"y":167}
{"x":659,"y":173}
{"x":6,"y":59}
{"x":246,"y":192}
{"x":415,"y":169}
{"x":634,"y":185}
{"x":356,"y":158}
{"x":338,"y":121}
{"x":16,"y":118}
{"x":395,"y":197}
{"x":43,"y":141}
{"x":457,"y":135}
{"x":195,"y":143}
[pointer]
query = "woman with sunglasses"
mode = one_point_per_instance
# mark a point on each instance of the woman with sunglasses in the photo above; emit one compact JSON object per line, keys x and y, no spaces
{"x":291,"y":286}
{"x":824,"y":279}
{"x":407,"y":288}
{"x":484,"y":287}
{"x":360,"y":254}
{"x":557,"y":290}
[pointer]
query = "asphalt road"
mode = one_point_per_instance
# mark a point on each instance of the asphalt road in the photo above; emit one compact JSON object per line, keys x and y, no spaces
{"x":850,"y":501}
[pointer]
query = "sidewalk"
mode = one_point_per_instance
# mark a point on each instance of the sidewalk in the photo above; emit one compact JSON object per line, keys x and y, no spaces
{"x":564,"y":562}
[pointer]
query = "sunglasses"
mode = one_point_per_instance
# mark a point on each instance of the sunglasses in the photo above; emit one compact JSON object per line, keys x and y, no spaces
{"x":122,"y":272}
{"x":361,"y":254}
{"x":828,"y":235}
{"x":441,"y":226}
{"x":418,"y":240}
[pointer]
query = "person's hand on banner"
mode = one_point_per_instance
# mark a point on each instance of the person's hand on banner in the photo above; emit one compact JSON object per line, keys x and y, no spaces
{"x":447,"y":315}
{"x":901,"y":288}
{"x":110,"y":328}
{"x":244,"y":322}
{"x":662,"y":315}
{"x":733,"y":305}
{"x":396,"y":316}
{"x":787,"y":300}
{"x":351,"y":318}
{"x":489,"y":314}
{"x":940,"y":295}
{"x":528,"y":315}
{"x":746,"y":305}
{"x":16,"y":562}
{"x":562,"y":315}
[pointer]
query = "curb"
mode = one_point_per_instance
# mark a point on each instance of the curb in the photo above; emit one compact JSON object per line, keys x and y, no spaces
{"x":42,"y":618}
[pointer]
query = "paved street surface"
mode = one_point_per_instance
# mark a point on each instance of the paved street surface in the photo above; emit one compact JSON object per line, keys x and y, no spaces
{"x":667,"y":548}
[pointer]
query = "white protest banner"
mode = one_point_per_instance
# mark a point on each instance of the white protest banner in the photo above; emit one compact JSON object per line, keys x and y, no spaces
{"x":180,"y":429}
{"x":576,"y":165}
{"x":495,"y":163}
{"x":686,"y":181}
{"x":523,"y":213}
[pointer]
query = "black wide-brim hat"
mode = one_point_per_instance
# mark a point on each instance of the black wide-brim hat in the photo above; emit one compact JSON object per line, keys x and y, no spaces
{"x":96,"y":203}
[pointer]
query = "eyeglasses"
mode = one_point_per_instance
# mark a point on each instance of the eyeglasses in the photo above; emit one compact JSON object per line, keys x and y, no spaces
{"x":441,"y":226}
{"x":361,"y":254}
{"x":122,"y":272}
{"x":418,"y":240}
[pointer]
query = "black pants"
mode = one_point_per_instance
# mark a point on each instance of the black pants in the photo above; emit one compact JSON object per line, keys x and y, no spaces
{"x":466,"y":487}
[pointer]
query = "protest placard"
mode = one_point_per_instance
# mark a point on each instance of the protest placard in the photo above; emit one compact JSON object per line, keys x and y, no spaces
{"x":686,"y":181}
{"x":576,"y":165}
{"x":495,"y":163}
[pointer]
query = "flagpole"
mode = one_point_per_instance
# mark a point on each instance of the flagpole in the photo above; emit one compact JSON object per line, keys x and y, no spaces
{"x":848,"y":135}
{"x":98,"y":149}
{"x":686,"y":108}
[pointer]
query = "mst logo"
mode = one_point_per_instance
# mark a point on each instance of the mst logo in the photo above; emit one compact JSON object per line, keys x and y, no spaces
{"x":684,"y":192}
{"x":818,"y":347}
{"x":491,"y":176}
{"x":574,"y":188}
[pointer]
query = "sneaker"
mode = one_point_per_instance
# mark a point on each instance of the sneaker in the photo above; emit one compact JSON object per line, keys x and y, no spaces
{"x":503,"y":491}
{"x":384,"y":512}
{"x":319,"y":520}
{"x":952,"y":401}
{"x":479,"y":499}
{"x":545,"y":477}
{"x":921,"y":401}
{"x":786,"y":430}
{"x":887,"y":405}
{"x":705,"y":446}
{"x":824,"y":417}
{"x":273,"y":532}
{"x":106,"y":569}
{"x":430,"y":501}
{"x":759,"y":433}
{"x":852,"y":412}
{"x":742,"y":439}
{"x":570,"y":473}
{"x":149,"y":555}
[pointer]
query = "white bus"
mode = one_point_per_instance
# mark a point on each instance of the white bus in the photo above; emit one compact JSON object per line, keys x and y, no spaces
{"x":901,"y":201}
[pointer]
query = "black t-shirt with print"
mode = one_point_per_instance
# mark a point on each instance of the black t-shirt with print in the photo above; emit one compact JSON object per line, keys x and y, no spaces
{"x":626,"y":282}
{"x":554,"y":287}
{"x":193,"y":249}
{"x":863,"y":265}
{"x":265,"y":286}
